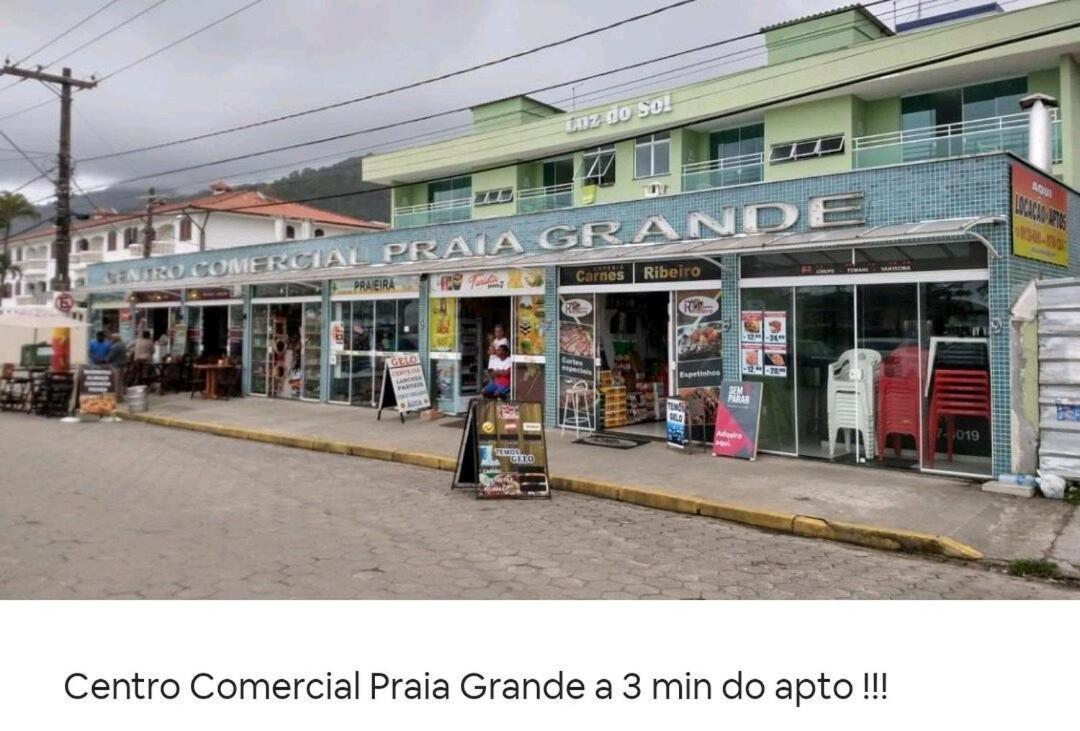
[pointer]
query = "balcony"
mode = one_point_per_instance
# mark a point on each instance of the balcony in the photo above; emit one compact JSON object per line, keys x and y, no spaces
{"x":547,"y":198}
{"x":87,"y":257}
{"x":724,"y":172}
{"x":38,"y":298}
{"x":993,"y":134}
{"x":459,"y":209}
{"x":33,"y":267}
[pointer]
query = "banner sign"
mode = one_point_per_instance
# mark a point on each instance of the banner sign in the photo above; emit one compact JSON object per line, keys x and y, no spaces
{"x":503,"y":453}
{"x":577,"y":361}
{"x":677,"y":433}
{"x":641,"y":272}
{"x":496,"y":283}
{"x":404,"y":386}
{"x":738,"y":415}
{"x":1039,"y":217}
{"x":699,"y":330}
{"x":442,"y":325}
{"x":97,"y":390}
{"x":375,"y":287}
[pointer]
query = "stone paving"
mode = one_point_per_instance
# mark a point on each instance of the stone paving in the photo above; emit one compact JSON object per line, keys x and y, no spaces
{"x":131,"y":510}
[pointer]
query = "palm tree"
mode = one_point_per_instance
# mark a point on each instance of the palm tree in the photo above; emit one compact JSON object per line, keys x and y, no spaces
{"x":13,"y":206}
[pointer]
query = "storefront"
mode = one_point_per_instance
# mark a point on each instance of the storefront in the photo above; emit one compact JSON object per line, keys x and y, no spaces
{"x":865,"y":302}
{"x":215,"y":322}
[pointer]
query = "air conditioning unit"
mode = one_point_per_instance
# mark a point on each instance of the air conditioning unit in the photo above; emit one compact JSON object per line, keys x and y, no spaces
{"x":655,"y":190}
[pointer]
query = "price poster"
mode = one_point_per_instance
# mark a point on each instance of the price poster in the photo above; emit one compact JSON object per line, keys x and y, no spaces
{"x":752,"y":360}
{"x":775,"y":327}
{"x":774,"y":360}
{"x":751,"y":326}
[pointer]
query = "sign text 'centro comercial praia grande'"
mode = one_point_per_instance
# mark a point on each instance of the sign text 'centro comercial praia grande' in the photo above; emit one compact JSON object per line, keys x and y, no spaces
{"x":823,"y":212}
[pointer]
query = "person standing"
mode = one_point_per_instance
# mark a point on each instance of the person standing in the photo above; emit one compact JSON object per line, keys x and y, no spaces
{"x":116,"y":359}
{"x":99,"y":348}
{"x":143,"y":350}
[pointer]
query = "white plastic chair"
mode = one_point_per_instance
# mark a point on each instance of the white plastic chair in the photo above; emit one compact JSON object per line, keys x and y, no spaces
{"x":577,"y":408}
{"x":852,"y":399}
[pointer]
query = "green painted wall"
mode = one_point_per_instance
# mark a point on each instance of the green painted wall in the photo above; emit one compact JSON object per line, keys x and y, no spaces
{"x":881,"y":116}
{"x":812,"y":119}
{"x":626,"y":186}
{"x":1046,"y":81}
{"x":695,"y":146}
{"x":1069,"y":98}
{"x":501,"y":178}
{"x":820,"y":35}
{"x":510,"y":112}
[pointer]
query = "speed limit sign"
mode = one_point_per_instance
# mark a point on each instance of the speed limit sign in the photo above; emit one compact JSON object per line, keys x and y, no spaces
{"x":64,"y":302}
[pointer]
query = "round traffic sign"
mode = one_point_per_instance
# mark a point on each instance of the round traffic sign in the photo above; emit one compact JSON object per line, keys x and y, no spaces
{"x":64,"y":302}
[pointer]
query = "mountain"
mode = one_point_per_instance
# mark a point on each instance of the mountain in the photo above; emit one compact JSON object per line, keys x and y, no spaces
{"x":301,"y":184}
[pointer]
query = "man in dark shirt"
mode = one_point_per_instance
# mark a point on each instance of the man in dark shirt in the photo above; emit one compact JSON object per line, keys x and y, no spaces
{"x":117,"y":359}
{"x":99,"y":348}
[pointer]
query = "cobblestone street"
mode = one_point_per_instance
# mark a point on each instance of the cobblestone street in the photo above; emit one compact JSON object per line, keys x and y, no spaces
{"x":129,"y":510}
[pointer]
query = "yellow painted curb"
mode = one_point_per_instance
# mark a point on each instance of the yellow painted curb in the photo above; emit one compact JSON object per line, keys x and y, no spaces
{"x":889,"y":539}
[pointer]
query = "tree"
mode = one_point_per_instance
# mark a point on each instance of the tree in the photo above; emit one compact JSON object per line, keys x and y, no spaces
{"x":7,"y":269}
{"x":13,"y":206}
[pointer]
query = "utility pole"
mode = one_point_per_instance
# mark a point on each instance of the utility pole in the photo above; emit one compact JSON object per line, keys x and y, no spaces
{"x":148,"y":232}
{"x":61,"y":281}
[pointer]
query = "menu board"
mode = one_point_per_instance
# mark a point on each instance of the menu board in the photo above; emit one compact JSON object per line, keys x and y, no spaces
{"x":763,"y":346}
{"x":677,"y":433}
{"x":404,"y":386}
{"x":97,"y":390}
{"x":738,"y":415}
{"x":503,"y":453}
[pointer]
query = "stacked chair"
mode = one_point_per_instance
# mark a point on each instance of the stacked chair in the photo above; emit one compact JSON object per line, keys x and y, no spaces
{"x":898,"y":399}
{"x":955,"y":392}
{"x":851,"y":402}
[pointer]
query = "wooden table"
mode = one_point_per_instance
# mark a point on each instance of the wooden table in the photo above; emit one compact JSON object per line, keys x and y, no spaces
{"x":212,"y":370}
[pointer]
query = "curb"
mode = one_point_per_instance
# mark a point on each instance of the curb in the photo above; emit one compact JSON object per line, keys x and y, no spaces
{"x":871,"y":536}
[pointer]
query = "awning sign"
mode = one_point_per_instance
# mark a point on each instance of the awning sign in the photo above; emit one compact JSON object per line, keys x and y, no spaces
{"x":1039,"y":217}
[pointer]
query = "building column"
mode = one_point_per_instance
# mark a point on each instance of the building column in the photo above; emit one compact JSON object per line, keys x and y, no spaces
{"x":324,"y":350}
{"x":730,"y":304}
{"x":551,"y":347}
{"x":1069,"y":74}
{"x":279,"y":229}
{"x":246,"y":355}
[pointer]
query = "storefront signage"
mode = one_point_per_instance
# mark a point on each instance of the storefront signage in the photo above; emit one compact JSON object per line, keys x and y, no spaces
{"x":697,"y":306}
{"x":97,"y":390}
{"x":503,"y":453}
{"x":375,"y":286}
{"x":1039,"y":217}
{"x":619,"y":114}
{"x":337,"y":336}
{"x":212,"y":293}
{"x":699,"y":339}
{"x":738,"y":415}
{"x":404,"y":386}
{"x":677,"y":433}
{"x":643,"y":272}
{"x":497,"y":282}
{"x":577,"y":362}
{"x":576,"y":307}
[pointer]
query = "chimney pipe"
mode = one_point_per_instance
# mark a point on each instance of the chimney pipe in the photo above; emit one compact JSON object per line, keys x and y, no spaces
{"x":1039,"y":129}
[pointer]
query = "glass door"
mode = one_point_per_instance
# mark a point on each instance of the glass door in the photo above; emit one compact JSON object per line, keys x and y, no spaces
{"x":353,"y":374}
{"x":775,"y":365}
{"x":825,"y":331}
{"x":312,"y":350}
{"x":260,"y":338}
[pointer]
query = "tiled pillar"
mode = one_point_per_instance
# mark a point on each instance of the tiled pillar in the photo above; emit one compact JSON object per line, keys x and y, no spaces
{"x":248,"y":365}
{"x":324,"y":350}
{"x":729,"y":307}
{"x":551,"y":346}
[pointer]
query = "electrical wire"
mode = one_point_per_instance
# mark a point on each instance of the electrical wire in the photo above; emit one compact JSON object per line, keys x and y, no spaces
{"x":64,"y":33}
{"x":107,"y":33}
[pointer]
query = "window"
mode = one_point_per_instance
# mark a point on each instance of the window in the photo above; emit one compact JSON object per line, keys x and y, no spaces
{"x":110,"y":241}
{"x":491,"y":197}
{"x":82,"y":245}
{"x":598,"y":166}
{"x":558,"y":172}
{"x":450,"y":190}
{"x":816,"y":147}
{"x":319,"y":232}
{"x":737,"y":142}
{"x":131,"y":235}
{"x":185,"y":229}
{"x":290,"y":232}
{"x":652,"y":155}
{"x":950,"y":106}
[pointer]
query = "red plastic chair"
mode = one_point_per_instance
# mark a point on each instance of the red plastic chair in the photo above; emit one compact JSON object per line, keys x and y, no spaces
{"x":956,"y":393}
{"x":898,"y":413}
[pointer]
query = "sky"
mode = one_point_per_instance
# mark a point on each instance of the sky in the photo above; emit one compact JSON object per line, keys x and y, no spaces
{"x":282,"y":56}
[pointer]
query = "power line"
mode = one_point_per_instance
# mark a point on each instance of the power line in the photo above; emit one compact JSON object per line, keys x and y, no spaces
{"x":178,"y":41}
{"x":108,"y":32}
{"x":415,"y":84}
{"x":1047,"y":30}
{"x":55,"y":38}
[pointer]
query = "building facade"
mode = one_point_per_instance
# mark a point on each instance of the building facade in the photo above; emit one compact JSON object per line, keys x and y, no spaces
{"x":864,"y":296}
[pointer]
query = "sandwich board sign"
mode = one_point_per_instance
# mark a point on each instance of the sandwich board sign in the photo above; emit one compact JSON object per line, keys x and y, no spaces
{"x":503,"y":453}
{"x":403,"y":385}
{"x":678,"y":434}
{"x":738,"y":415}
{"x":96,"y":391}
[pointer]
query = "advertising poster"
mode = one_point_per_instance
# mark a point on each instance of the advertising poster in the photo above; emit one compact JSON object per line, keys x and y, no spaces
{"x":442,"y":325}
{"x":699,"y":338}
{"x":775,"y":327}
{"x":751,"y":326}
{"x":577,"y":361}
{"x":774,"y":360}
{"x":503,"y":453}
{"x":752,"y":360}
{"x":677,"y":434}
{"x":492,"y":283}
{"x":97,"y":391}
{"x":530,"y":325}
{"x":337,"y":336}
{"x":1039,"y":217}
{"x":406,"y":388}
{"x":738,"y":415}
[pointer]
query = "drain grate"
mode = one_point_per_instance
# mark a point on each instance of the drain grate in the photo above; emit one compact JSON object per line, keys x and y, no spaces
{"x":611,"y":442}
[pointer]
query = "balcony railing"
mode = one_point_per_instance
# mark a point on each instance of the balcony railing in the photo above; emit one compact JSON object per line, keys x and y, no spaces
{"x":724,"y":172}
{"x":87,"y":257}
{"x":459,"y":209}
{"x":33,"y":266}
{"x":993,"y":134}
{"x":38,"y":298}
{"x":547,"y":198}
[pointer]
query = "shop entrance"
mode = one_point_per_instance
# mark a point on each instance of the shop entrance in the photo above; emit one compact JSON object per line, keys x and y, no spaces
{"x":481,"y":318}
{"x":286,"y":347}
{"x":886,"y":373}
{"x":633,"y":345}
{"x":215,"y":331}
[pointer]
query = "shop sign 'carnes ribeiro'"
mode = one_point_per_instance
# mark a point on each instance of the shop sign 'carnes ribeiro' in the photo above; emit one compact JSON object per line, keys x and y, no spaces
{"x":823,"y":212}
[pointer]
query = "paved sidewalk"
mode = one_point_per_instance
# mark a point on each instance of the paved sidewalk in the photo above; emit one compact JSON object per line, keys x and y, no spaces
{"x":1001,"y":527}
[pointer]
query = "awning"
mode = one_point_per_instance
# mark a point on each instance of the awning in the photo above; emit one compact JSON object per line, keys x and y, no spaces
{"x":934,"y":231}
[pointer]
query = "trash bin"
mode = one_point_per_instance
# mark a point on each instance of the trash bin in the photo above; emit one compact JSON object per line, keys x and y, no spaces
{"x":136,"y":398}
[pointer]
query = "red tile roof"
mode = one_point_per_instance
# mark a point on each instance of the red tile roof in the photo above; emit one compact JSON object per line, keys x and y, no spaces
{"x":240,"y":202}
